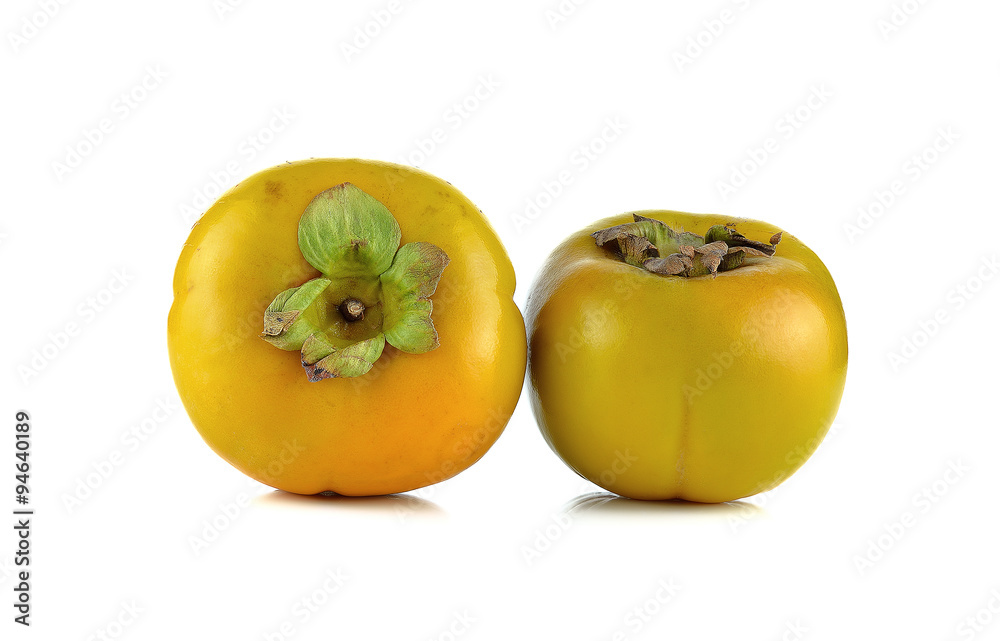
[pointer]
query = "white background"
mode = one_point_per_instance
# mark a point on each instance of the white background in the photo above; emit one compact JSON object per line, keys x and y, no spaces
{"x":874,"y":538}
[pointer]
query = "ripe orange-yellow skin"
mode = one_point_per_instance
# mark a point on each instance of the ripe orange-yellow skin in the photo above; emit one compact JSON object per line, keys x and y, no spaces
{"x":412,"y":420}
{"x":704,"y":389}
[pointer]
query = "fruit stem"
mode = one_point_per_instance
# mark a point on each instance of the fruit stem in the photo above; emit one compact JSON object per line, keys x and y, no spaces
{"x":352,"y":310}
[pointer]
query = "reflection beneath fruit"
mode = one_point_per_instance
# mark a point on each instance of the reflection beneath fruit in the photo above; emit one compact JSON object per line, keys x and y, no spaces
{"x":600,"y":503}
{"x":400,"y":506}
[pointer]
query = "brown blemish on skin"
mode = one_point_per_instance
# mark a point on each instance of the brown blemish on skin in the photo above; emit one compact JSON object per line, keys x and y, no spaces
{"x":274,"y":189}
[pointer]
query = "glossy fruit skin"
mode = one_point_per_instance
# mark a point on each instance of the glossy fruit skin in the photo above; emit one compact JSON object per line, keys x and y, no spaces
{"x":664,"y":387}
{"x":415,"y":419}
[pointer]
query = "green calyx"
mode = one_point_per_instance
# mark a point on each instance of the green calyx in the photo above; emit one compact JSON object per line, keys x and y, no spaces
{"x":654,"y":246}
{"x":372,"y":291}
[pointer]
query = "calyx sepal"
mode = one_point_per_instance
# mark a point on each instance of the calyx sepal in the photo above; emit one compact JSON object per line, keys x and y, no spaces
{"x":284,"y":325}
{"x":652,"y":245}
{"x":371,"y":292}
{"x":346,"y":232}
{"x":321,"y":359}
{"x":406,"y":290}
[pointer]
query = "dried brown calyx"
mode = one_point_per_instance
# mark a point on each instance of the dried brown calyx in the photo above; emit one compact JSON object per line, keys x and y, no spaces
{"x":656,"y":247}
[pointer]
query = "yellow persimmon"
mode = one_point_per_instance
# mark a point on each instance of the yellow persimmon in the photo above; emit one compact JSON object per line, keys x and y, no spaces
{"x":688,"y":356}
{"x":346,"y":326}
